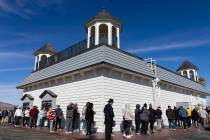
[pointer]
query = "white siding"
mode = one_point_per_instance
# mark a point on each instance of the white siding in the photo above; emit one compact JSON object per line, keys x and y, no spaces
{"x":80,"y":92}
{"x":124,"y":92}
{"x":98,"y":90}
{"x":170,"y":98}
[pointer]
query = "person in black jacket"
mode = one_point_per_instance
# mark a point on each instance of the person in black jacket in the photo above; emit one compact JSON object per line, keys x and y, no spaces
{"x":137,"y":118}
{"x":159,"y":118}
{"x":109,"y":115}
{"x":152,"y":118}
{"x":89,"y":117}
{"x":195,"y":117}
{"x":59,"y":116}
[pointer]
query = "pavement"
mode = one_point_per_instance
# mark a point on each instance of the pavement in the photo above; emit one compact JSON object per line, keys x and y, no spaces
{"x":12,"y":133}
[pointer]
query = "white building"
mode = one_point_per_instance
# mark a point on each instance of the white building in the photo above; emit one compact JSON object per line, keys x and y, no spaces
{"x":96,"y":69}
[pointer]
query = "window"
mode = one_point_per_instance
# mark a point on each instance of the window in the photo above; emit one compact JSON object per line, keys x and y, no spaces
{"x":46,"y":104}
{"x":25,"y":105}
{"x":191,"y":75}
{"x":103,"y":34}
{"x":184,"y":73}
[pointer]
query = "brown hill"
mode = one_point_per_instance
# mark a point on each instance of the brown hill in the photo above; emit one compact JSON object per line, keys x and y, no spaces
{"x":6,"y":106}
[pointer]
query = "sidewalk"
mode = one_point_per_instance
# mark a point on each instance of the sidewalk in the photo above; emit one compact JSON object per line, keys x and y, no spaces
{"x":9,"y":132}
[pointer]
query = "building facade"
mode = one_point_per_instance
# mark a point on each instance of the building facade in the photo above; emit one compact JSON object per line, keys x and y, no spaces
{"x":96,"y":69}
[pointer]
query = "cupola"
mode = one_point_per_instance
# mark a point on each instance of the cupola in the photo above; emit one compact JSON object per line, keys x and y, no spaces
{"x":188,"y":70}
{"x":42,"y":55}
{"x":103,"y":29}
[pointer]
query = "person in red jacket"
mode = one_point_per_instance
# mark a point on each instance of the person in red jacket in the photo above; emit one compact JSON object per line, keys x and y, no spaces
{"x":33,"y":116}
{"x":51,"y":116}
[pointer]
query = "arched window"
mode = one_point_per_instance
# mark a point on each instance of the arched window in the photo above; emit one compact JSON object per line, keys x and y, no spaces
{"x":43,"y":61}
{"x":114,"y":36}
{"x":92,"y":36}
{"x":44,"y":58}
{"x":191,"y":75}
{"x":185,"y":73}
{"x":103,"y":34}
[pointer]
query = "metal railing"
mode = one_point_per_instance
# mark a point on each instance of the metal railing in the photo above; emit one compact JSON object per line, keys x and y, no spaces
{"x":63,"y":55}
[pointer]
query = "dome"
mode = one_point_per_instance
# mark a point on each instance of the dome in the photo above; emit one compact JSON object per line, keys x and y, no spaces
{"x":104,"y":16}
{"x":187,"y":65}
{"x":47,"y":48}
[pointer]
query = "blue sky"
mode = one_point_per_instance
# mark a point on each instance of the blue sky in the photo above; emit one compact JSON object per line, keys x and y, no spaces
{"x":168,"y":31}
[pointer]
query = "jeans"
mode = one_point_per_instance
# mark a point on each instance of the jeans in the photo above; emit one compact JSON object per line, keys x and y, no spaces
{"x":144,"y":127}
{"x":42,"y":121}
{"x":128,"y":124}
{"x":51,"y":125}
{"x":33,"y":122}
{"x":58,"y":122}
{"x":69,"y":124}
{"x":83,"y":125}
{"x":159,"y":124}
{"x":189,"y":121}
{"x":151,"y":124}
{"x":89,"y":127}
{"x":137,"y":122}
{"x":171,"y":123}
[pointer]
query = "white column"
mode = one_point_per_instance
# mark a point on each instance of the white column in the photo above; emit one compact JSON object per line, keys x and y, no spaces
{"x":97,"y":33}
{"x":182,"y":73}
{"x":118,"y":38}
{"x":35,"y":63}
{"x":88,"y":37}
{"x":188,"y":74}
{"x":109,"y":33}
{"x":196,"y":75}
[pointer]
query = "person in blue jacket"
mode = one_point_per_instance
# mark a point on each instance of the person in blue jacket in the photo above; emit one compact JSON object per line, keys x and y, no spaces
{"x":183,"y":115}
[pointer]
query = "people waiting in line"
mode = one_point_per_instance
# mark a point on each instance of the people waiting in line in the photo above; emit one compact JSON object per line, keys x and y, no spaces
{"x":178,"y":117}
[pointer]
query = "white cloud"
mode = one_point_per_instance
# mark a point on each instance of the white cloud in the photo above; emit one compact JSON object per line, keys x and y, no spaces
{"x":12,"y":55}
{"x":171,"y":58}
{"x":15,"y":69}
{"x":170,"y":46}
{"x":7,"y":7}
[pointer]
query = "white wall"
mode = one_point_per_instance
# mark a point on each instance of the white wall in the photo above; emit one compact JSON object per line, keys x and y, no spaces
{"x":98,"y":90}
{"x":170,"y":98}
{"x":80,"y":92}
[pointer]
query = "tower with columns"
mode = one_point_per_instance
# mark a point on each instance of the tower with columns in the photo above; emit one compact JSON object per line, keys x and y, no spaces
{"x":103,"y":29}
{"x":187,"y":69}
{"x":42,"y":55}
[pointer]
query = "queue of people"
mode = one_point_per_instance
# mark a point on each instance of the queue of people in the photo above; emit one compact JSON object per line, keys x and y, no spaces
{"x":144,"y":117}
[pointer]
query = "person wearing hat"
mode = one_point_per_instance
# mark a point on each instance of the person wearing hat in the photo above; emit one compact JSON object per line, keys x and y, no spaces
{"x":109,"y":122}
